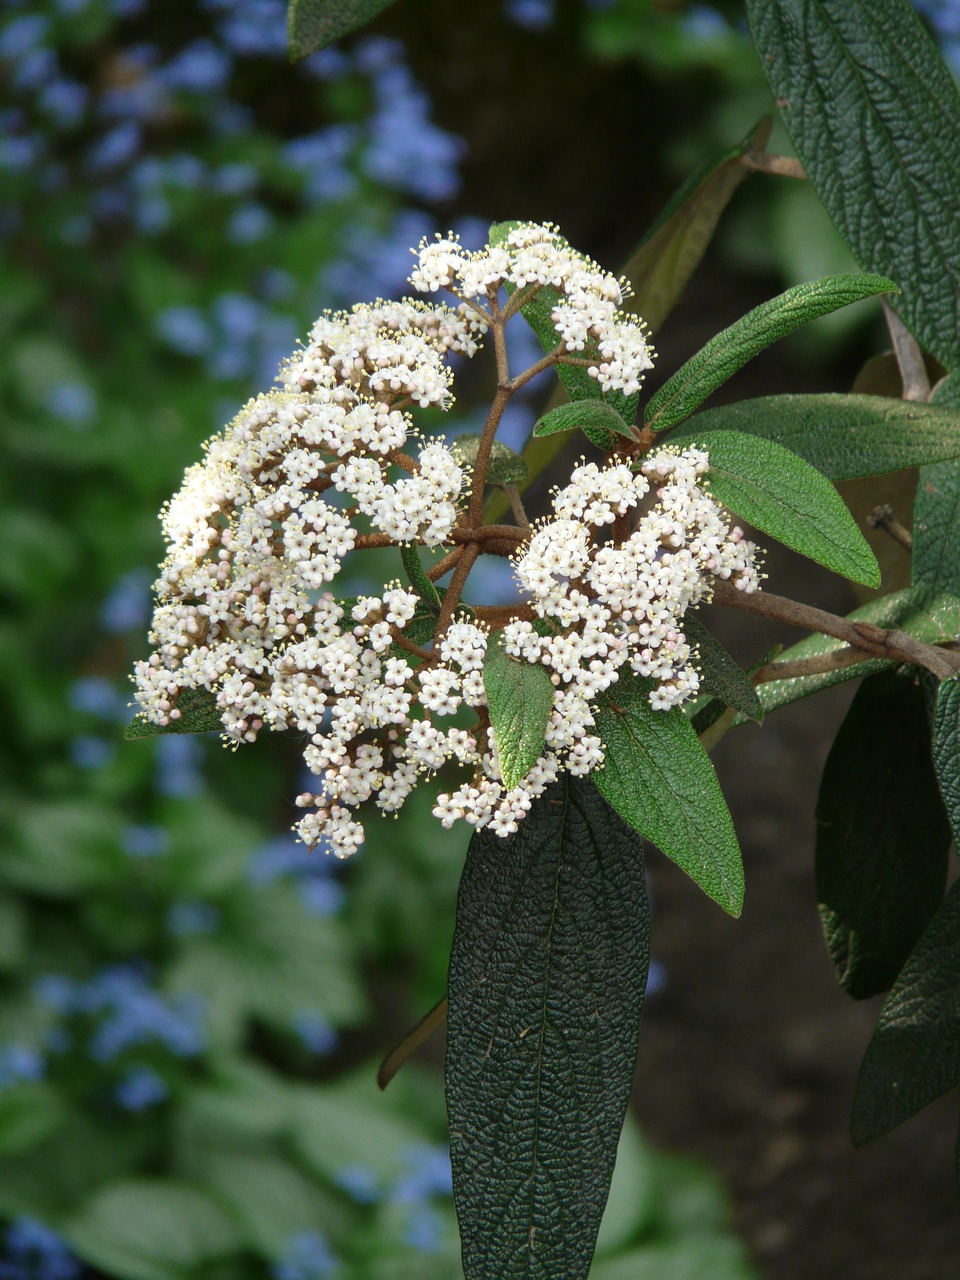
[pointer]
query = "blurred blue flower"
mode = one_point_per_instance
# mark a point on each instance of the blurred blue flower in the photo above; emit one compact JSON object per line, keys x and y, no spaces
{"x":35,"y":1252}
{"x":321,"y":897}
{"x":35,"y":69}
{"x":375,"y":264}
{"x":116,"y":147}
{"x":128,"y":8}
{"x":55,"y":990}
{"x":322,"y":158}
{"x":656,"y":978}
{"x":238,"y":315}
{"x":22,"y":36}
{"x":127,"y":606}
{"x":235,"y":179}
{"x":406,"y":149}
{"x":249,"y":223}
{"x":427,"y":1174}
{"x":18,"y":153}
{"x":178,"y":759}
{"x":97,"y":696}
{"x":18,"y":1064}
{"x":360,"y":1183}
{"x":142,"y":841}
{"x":703,"y":22}
{"x":88,"y":752}
{"x":532,"y":15}
{"x":307,"y":1257}
{"x":185,"y":919}
{"x":253,"y":27}
{"x":315,"y":1032}
{"x":185,"y":329}
{"x":423,"y":1229}
{"x":140,"y":1089}
{"x":131,"y":1014}
{"x":152,"y":214}
{"x":202,"y":67}
{"x":74,"y":402}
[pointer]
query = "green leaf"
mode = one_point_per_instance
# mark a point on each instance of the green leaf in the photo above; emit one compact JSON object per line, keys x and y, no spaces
{"x":29,"y":1113}
{"x":520,"y":695}
{"x":671,"y":250}
{"x":634,"y":1193}
{"x":660,"y":780}
{"x":843,"y":436}
{"x":504,"y":467}
{"x":199,"y":713}
{"x":935,"y":620}
{"x":598,"y":422}
{"x":547,"y":976}
{"x":914,"y":1055}
{"x":882,"y":835}
{"x":936,"y":511}
{"x":148,"y":1229}
{"x":784,"y":496}
{"x":418,"y":579}
{"x":719,"y":674}
{"x":733,"y":347}
{"x":946,"y":750}
{"x":874,"y":115}
{"x":538,"y":315}
{"x":698,"y":1258}
{"x":313,"y":24}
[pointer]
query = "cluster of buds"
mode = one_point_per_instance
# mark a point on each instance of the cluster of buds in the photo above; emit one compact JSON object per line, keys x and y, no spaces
{"x":388,"y":689}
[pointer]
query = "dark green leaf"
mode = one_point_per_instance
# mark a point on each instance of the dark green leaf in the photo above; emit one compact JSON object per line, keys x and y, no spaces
{"x":784,"y":496}
{"x":504,"y":467}
{"x":719,"y":674}
{"x":730,"y":350}
{"x":199,"y":713}
{"x":934,"y":620}
{"x":670,"y":252}
{"x":936,"y":511}
{"x":882,"y":835}
{"x":914,"y":1055}
{"x":313,"y":24}
{"x":874,"y":115}
{"x":146,"y":1229}
{"x":29,"y":1113}
{"x":598,"y":422}
{"x":946,"y":750}
{"x":547,"y":976}
{"x":538,"y":315}
{"x":520,"y":695}
{"x":844,"y":436}
{"x":660,"y":780}
{"x":418,"y":578}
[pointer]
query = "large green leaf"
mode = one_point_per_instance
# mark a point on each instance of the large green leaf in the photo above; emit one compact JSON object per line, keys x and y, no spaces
{"x":914,"y":1055}
{"x":747,"y":337}
{"x":547,"y":976}
{"x":784,"y":496}
{"x":719,"y":673}
{"x":946,"y":750}
{"x":670,"y":252}
{"x":313,"y":24}
{"x":874,"y":115}
{"x":520,"y":696}
{"x":698,"y":1257}
{"x":934,"y":620}
{"x":660,"y":780}
{"x":936,"y":511}
{"x":152,"y":1229}
{"x":844,"y":436}
{"x":882,"y":835}
{"x":199,"y":713}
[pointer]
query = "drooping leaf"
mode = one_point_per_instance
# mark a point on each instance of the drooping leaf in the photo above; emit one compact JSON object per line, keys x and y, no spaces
{"x":660,"y":780}
{"x":538,"y":315}
{"x":418,"y":579}
{"x":784,"y":496}
{"x":505,"y":466}
{"x":936,"y":511}
{"x":882,"y":835}
{"x":313,"y":24}
{"x":520,"y":696}
{"x":547,"y":976}
{"x":914,"y":1055}
{"x":598,"y":421}
{"x":199,"y":713}
{"x":844,"y":436}
{"x":935,"y":620}
{"x":946,"y":750}
{"x":671,"y":250}
{"x":719,"y":673}
{"x":874,"y":115}
{"x":747,"y":337}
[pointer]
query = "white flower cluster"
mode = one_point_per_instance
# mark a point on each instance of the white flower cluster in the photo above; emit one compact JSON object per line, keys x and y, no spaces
{"x":588,"y":318}
{"x":305,"y":475}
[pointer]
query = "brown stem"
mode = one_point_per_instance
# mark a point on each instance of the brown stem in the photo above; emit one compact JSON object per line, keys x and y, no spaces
{"x":400,"y":639}
{"x":896,"y":646}
{"x":517,"y":507}
{"x":765,"y":162}
{"x":545,"y":362}
{"x":835,"y":660}
{"x":452,"y":598}
{"x":498,"y":615}
{"x":484,"y":450}
{"x":445,"y":565}
{"x":425,"y":1028}
{"x":400,"y":459}
{"x":882,"y":517}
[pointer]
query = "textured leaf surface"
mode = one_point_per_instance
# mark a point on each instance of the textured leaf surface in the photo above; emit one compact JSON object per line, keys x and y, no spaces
{"x":198,"y":714}
{"x":597,"y":420}
{"x":660,"y":780}
{"x":936,"y":511}
{"x":946,"y":750}
{"x":537,"y":313}
{"x":313,"y":24}
{"x":784,"y":496}
{"x":671,"y":251}
{"x":882,"y":835}
{"x":504,"y":467}
{"x":874,"y":115}
{"x":730,"y":350}
{"x":520,"y":695}
{"x":719,"y":674}
{"x":914,"y":1055}
{"x":547,"y":976}
{"x":844,"y":436}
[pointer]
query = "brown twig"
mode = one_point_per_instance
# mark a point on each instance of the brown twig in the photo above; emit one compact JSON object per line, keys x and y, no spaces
{"x":424,"y":1029}
{"x":498,"y":615}
{"x":822,"y":664}
{"x":452,"y":598}
{"x":517,"y":507}
{"x":882,"y":517}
